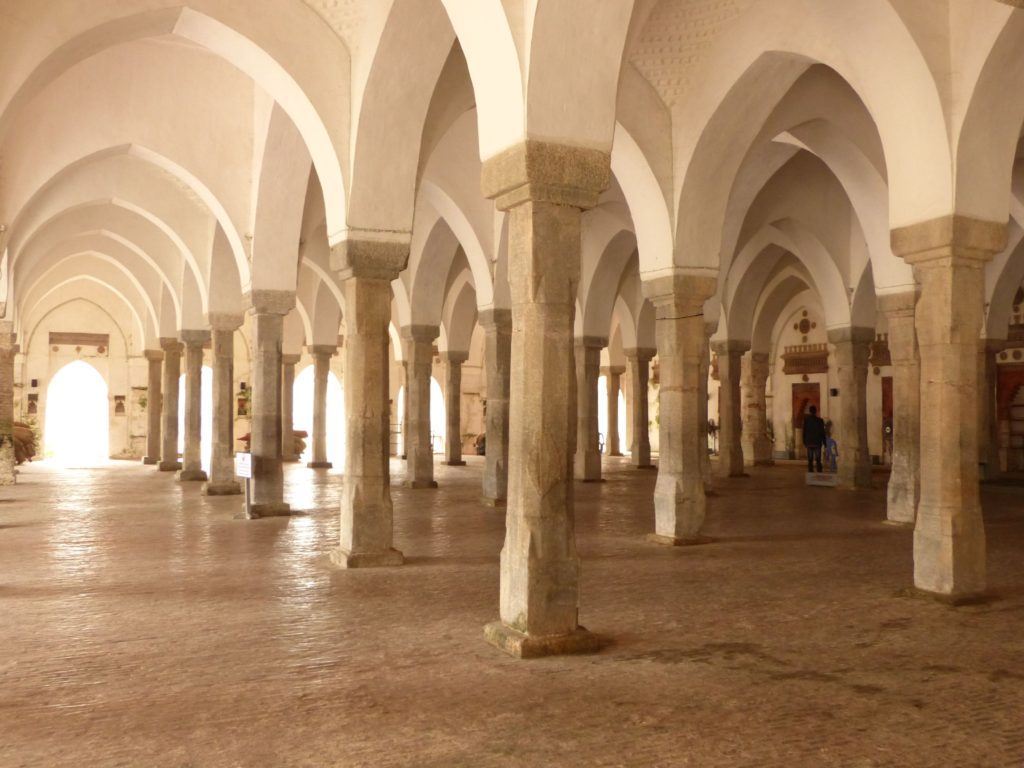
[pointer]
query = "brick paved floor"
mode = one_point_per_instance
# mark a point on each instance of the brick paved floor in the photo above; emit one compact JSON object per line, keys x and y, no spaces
{"x":142,"y":625}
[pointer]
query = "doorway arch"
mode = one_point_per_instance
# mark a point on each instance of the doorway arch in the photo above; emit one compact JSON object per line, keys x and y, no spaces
{"x":76,"y":430}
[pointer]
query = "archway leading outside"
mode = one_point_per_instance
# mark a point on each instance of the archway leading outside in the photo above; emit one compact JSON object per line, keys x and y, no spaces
{"x":76,"y":430}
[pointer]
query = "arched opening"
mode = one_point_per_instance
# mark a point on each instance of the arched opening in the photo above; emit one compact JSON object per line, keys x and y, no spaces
{"x":302,"y":415}
{"x":602,"y":415}
{"x":206,"y":415}
{"x":77,"y":427}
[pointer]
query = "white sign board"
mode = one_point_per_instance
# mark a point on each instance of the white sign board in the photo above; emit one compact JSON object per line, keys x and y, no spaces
{"x":243,"y":465}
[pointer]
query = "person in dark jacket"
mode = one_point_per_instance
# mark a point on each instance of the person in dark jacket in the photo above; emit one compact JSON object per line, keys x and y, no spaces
{"x":814,"y":438}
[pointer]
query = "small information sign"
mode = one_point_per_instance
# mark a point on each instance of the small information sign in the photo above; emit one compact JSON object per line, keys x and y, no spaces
{"x":243,"y":465}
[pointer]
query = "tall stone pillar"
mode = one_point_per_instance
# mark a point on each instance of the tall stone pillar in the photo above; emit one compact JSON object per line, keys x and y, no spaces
{"x":420,"y":452}
{"x":322,"y":354}
{"x":453,"y":407}
{"x":268,"y":309}
{"x":169,"y":404}
{"x":904,"y":479}
{"x":679,"y":500}
{"x":406,"y":425}
{"x":588,"y":438}
{"x":367,"y":268}
{"x":192,"y":459}
{"x":222,"y":480}
{"x":757,"y":448}
{"x":497,"y":325}
{"x":288,"y":363}
{"x":988,"y":419}
{"x":702,"y":408}
{"x":639,"y":360}
{"x":613,"y":382}
{"x":153,"y":396}
{"x":544,"y":187}
{"x":8,"y":351}
{"x":730,"y":427}
{"x":948,"y":256}
{"x":852,"y":349}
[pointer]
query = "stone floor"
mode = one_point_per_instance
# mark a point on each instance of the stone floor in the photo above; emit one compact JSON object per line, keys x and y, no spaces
{"x":142,"y":624}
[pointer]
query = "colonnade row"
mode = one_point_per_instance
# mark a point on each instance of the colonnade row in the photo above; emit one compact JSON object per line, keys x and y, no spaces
{"x":535,"y":432}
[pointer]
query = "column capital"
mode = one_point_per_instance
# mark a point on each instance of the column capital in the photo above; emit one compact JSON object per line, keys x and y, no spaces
{"x":225,"y":321}
{"x":426,"y":333}
{"x":322,"y":349}
{"x":760,"y":357}
{"x":153,"y":354}
{"x":853,"y":334}
{"x":171,"y":345}
{"x":613,"y":370}
{"x":731,"y":347}
{"x":193,"y":338}
{"x":680,"y":294}
{"x":458,"y":358}
{"x":495,"y":318}
{"x":591,"y":342}
{"x":267,"y":301}
{"x":963,"y":240}
{"x":543,"y":172}
{"x":900,"y":304}
{"x":643,"y":354}
{"x":371,"y":254}
{"x":290,"y":359}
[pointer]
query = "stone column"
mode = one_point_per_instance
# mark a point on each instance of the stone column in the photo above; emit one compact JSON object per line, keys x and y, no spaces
{"x":639,"y":360}
{"x":497,"y":325}
{"x":192,"y":460}
{"x":988,"y":420}
{"x":679,"y":500}
{"x":453,"y":407}
{"x":169,"y":404}
{"x":949,"y":256}
{"x":613,"y":380}
{"x":702,"y":407}
{"x":852,"y":349}
{"x":153,"y":398}
{"x":8,"y":351}
{"x":288,"y":363}
{"x":588,"y":438}
{"x":904,"y":483}
{"x":544,"y":187}
{"x":730,"y":427}
{"x":367,"y":268}
{"x":222,"y":480}
{"x":420,"y":342}
{"x":268,"y":309}
{"x":406,"y":426}
{"x":322,"y":354}
{"x":757,"y":448}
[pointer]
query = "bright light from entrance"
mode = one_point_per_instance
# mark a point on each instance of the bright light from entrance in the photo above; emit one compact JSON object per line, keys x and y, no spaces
{"x":77,"y":427}
{"x":206,"y":415}
{"x":302,"y":415}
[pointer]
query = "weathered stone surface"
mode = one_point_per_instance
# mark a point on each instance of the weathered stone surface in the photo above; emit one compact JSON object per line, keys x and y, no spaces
{"x":222,"y":480}
{"x":679,"y":500}
{"x":172,"y":349}
{"x":904,"y":488}
{"x":852,"y":348}
{"x":757,"y":448}
{"x":730,"y":425}
{"x":453,"y":407}
{"x":192,"y":469}
{"x":154,"y":399}
{"x":587,"y":356}
{"x":322,"y":354}
{"x":639,"y":364}
{"x":419,"y":452}
{"x":497,"y":325}
{"x":265,"y":417}
{"x":288,"y":363}
{"x":8,"y":350}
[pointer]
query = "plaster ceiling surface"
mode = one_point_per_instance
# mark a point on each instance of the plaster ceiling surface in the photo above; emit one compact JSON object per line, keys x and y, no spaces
{"x":345,"y":17}
{"x":677,"y":36}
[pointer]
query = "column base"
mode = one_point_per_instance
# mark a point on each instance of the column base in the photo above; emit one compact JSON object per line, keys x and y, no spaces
{"x":645,"y":466}
{"x":675,"y":541}
{"x":272,"y":509}
{"x":222,"y":489}
{"x":342,"y":558}
{"x":152,"y":460}
{"x":320,"y":465}
{"x":459,"y":463}
{"x":291,"y":459}
{"x":907,"y":524}
{"x":192,"y":475}
{"x":525,"y":646}
{"x":169,"y":466}
{"x":488,"y":502}
{"x":970,"y":598}
{"x":417,"y":484}
{"x":593,"y":480}
{"x":615,"y":453}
